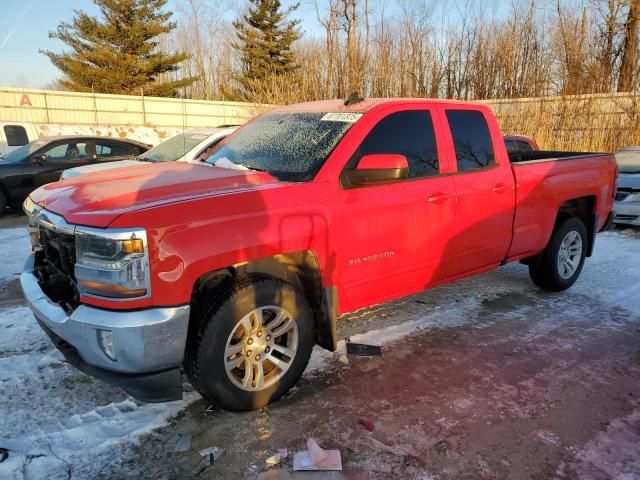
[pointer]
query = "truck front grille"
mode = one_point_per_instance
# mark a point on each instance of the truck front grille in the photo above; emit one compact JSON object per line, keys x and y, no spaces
{"x":54,"y":266}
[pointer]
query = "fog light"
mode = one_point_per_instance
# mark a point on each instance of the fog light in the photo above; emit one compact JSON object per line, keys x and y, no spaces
{"x":105,"y":341}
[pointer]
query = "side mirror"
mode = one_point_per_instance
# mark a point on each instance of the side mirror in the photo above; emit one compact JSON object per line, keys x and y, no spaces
{"x":379,"y":168}
{"x":39,"y":159}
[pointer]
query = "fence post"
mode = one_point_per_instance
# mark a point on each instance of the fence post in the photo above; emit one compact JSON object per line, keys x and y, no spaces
{"x":95,"y":107}
{"x":46,"y":107}
{"x":144,"y":111}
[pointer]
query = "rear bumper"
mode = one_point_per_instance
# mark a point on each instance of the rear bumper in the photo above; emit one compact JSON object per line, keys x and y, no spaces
{"x":148,"y":345}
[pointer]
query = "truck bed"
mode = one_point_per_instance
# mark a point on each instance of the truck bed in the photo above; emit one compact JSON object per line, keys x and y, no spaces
{"x":544,"y":181}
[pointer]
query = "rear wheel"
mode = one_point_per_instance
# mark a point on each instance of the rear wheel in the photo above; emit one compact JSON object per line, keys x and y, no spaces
{"x":559,"y":266}
{"x":252,"y":343}
{"x":3,"y":204}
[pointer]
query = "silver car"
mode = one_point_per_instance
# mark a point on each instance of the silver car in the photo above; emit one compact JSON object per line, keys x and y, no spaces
{"x":627,"y":206}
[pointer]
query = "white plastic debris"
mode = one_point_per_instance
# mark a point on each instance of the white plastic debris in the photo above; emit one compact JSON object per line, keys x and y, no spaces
{"x":211,"y":453}
{"x":315,"y":458}
{"x":209,"y":456}
{"x":278,"y":457}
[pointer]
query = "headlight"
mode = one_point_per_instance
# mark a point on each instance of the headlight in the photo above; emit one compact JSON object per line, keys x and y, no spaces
{"x":112,"y":263}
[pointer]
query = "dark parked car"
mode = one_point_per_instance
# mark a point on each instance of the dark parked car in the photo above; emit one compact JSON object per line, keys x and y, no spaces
{"x":41,"y":161}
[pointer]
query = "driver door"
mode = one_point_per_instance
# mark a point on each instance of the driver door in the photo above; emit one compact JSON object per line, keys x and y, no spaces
{"x":393,"y":237}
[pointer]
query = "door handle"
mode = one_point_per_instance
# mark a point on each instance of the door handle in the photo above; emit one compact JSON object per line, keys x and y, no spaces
{"x":499,"y":188}
{"x":438,"y":197}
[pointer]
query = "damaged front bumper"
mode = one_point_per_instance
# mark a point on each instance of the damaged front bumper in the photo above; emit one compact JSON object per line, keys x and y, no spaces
{"x":144,"y":351}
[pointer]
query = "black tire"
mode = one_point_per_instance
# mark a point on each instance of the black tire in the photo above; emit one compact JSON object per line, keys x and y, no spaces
{"x":545,"y":270}
{"x":3,"y":204}
{"x":216,"y":321}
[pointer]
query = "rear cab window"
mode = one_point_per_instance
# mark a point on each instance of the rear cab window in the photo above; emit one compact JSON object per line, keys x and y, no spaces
{"x":471,"y":140}
{"x":16,"y":135}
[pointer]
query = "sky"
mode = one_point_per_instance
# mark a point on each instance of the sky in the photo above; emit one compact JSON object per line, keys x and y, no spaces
{"x":25,"y":27}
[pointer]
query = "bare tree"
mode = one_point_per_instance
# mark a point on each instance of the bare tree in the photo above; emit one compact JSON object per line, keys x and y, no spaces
{"x":629,"y":65}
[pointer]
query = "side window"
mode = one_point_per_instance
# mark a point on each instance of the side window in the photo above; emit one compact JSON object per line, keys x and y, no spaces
{"x":511,"y":145}
{"x":103,"y":150}
{"x":409,"y":133}
{"x":471,"y":139}
{"x":16,"y":135}
{"x":113,"y":149}
{"x":67,"y":151}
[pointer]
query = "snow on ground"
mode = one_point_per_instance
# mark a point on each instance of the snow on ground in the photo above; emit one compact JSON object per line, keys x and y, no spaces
{"x":16,"y":247}
{"x":54,"y":416}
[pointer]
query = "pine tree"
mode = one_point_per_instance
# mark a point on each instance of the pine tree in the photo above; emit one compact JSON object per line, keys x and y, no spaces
{"x":265,"y":38}
{"x":118,"y":53}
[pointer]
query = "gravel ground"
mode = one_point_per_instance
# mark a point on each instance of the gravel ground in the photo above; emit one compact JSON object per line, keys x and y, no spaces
{"x":485,"y":378}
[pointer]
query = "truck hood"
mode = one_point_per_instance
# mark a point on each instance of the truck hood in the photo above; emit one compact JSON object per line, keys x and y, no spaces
{"x":97,"y":199}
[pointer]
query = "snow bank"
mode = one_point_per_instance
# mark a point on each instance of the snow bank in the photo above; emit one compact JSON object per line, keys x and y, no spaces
{"x":148,"y":135}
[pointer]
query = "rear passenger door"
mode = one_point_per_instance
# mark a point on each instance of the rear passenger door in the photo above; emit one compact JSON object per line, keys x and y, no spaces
{"x":485,"y":193}
{"x":393,"y":236}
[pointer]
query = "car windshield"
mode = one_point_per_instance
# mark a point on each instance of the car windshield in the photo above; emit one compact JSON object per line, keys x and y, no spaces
{"x":24,"y":151}
{"x":174,"y":148}
{"x":290,"y":146}
{"x":629,"y":160}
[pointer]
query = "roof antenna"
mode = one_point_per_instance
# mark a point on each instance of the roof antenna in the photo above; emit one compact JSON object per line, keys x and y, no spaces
{"x":352,"y":99}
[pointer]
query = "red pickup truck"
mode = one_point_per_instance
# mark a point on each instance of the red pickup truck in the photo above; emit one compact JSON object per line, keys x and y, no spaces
{"x":233,"y":270}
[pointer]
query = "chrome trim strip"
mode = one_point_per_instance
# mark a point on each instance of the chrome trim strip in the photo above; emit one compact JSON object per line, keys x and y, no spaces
{"x":49,"y":220}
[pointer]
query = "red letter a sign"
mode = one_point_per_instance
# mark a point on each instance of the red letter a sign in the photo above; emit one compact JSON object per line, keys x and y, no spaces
{"x":25,"y":100}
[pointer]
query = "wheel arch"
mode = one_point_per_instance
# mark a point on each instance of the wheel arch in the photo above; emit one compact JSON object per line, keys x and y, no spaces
{"x":301,"y":269}
{"x":583,"y":208}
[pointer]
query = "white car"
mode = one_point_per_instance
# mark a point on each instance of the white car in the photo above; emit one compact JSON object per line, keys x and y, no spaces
{"x":190,"y":146}
{"x":627,"y":205}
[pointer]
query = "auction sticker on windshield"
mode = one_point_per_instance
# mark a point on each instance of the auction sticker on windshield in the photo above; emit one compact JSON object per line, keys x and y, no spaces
{"x":341,"y":117}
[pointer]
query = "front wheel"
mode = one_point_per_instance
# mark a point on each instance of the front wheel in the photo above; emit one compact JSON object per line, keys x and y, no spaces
{"x":559,"y":266}
{"x":252,"y":343}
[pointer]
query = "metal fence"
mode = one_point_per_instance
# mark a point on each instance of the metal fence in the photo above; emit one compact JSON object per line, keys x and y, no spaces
{"x":588,"y":122}
{"x":602,"y":122}
{"x":74,"y":108}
